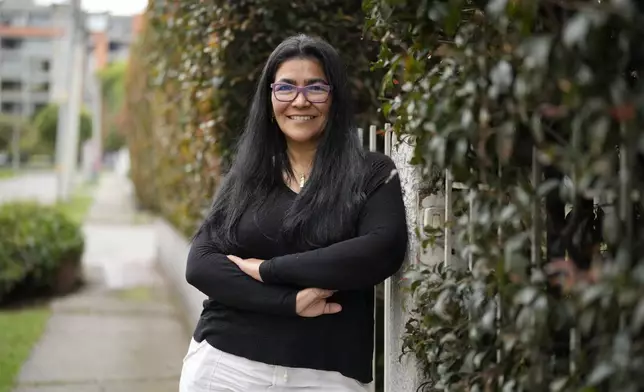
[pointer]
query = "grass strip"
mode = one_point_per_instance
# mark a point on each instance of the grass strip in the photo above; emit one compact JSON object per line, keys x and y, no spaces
{"x":20,"y":329}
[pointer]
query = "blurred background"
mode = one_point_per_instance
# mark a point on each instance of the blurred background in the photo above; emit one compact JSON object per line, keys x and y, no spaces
{"x":518,"y":144}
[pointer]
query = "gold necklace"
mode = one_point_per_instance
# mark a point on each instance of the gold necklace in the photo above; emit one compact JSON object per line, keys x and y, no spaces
{"x":302,"y":180}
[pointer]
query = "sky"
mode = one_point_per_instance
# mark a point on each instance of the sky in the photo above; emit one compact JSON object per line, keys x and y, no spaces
{"x":117,"y":7}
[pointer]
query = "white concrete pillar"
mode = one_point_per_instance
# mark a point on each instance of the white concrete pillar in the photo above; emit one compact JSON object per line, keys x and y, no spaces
{"x":402,"y":375}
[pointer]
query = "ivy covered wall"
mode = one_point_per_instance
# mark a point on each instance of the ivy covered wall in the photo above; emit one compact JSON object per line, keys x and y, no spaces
{"x":535,"y":108}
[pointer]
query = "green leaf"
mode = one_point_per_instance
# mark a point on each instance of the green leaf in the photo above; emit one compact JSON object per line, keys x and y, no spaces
{"x":600,"y":373}
{"x":638,"y":317}
{"x":496,"y":7}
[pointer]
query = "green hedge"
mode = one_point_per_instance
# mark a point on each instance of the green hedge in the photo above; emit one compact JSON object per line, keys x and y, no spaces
{"x":192,"y":75}
{"x":35,"y":241}
{"x":485,"y":87}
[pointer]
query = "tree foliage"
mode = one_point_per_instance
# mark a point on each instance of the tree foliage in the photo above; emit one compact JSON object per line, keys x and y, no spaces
{"x":481,"y":88}
{"x":46,"y":122}
{"x":112,"y":80}
{"x":29,"y":137}
{"x":193,"y":74}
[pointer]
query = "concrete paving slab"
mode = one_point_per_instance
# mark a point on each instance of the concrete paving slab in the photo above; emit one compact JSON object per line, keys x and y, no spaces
{"x":126,"y":254}
{"x":60,"y":388}
{"x":80,"y":348}
{"x":131,"y":386}
{"x":142,"y":300}
{"x":151,"y":386}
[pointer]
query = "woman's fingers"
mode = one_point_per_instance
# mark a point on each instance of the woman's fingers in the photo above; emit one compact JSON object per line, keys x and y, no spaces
{"x":234,"y":259}
{"x":323,"y":293}
{"x":332,"y":308}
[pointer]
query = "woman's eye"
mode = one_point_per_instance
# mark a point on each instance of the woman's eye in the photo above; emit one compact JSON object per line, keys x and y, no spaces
{"x":317,"y":88}
{"x":284,"y":87}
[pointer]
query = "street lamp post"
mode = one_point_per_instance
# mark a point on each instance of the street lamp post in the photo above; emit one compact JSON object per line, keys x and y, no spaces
{"x":62,"y":98}
{"x":70,"y":106}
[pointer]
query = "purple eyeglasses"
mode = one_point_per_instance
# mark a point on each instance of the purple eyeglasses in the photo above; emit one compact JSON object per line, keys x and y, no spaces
{"x":314,"y":93}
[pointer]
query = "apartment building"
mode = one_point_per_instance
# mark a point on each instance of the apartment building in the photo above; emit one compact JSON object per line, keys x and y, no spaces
{"x":32,"y":52}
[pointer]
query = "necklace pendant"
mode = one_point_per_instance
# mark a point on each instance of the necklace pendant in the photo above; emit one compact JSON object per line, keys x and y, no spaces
{"x":302,"y":180}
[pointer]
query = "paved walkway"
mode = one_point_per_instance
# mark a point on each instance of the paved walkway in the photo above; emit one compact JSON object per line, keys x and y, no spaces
{"x":122,"y":332}
{"x":32,"y":184}
{"x":38,"y":186}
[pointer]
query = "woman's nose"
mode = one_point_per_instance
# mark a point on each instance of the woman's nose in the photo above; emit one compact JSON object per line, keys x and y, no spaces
{"x":300,"y":100}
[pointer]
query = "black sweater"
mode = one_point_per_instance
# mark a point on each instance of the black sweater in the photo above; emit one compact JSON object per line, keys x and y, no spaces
{"x":258,"y":321}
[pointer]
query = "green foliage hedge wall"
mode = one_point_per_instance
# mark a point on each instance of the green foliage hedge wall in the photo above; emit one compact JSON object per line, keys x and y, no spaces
{"x":191,"y":79}
{"x":483,"y":88}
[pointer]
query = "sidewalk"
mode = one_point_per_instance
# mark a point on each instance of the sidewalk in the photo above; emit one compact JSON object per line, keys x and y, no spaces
{"x":122,"y":331}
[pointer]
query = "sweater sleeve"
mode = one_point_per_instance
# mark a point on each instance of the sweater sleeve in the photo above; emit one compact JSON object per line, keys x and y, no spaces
{"x":212,"y":273}
{"x":376,"y":253}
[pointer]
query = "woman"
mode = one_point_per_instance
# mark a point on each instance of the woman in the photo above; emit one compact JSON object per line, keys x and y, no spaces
{"x":302,"y":228}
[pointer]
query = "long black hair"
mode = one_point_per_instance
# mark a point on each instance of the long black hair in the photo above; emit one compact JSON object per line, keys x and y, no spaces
{"x":325,"y":210}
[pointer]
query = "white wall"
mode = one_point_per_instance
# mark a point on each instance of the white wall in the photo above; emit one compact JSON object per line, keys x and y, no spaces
{"x":172,"y":253}
{"x":402,"y":375}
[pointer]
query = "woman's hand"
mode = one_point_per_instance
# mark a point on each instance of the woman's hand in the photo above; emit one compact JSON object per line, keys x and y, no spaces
{"x":313,"y":303}
{"x":309,"y":302}
{"x":249,"y":266}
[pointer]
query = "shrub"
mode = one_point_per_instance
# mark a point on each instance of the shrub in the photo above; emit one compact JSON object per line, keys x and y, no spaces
{"x":191,"y":78}
{"x":35,"y":241}
{"x":519,"y":102}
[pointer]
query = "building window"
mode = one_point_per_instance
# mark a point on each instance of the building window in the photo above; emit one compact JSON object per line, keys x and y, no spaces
{"x":11,"y":85}
{"x":11,"y":43}
{"x":11,"y":107}
{"x":115,"y":46}
{"x":41,"y":87}
{"x":45,"y":65}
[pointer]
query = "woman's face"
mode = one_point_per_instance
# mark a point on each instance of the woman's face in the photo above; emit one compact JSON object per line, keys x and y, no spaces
{"x":301,"y":120}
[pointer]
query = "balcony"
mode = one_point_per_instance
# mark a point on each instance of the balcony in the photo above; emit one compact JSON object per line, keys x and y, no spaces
{"x":40,"y":97}
{"x":11,"y":96}
{"x":17,"y":96}
{"x":11,"y":55}
{"x":12,"y":67}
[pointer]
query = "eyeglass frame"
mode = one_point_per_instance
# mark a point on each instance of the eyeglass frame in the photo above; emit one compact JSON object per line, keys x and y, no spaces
{"x":302,"y":90}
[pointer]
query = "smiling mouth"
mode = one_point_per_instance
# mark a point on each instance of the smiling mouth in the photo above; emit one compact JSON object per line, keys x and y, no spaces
{"x":301,"y":118}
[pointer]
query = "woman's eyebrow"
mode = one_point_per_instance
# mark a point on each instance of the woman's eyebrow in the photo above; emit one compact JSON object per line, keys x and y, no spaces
{"x":308,"y":81}
{"x":316,"y":80}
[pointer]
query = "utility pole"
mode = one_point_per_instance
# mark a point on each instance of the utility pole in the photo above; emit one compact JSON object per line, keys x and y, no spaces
{"x":63,"y":74}
{"x":69,"y":110}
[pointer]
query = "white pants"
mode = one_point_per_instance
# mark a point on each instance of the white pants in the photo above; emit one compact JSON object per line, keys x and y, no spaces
{"x":207,"y":369}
